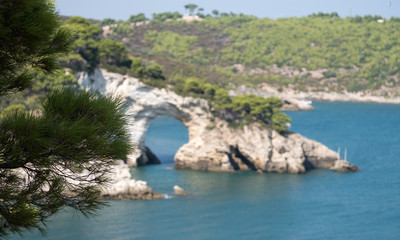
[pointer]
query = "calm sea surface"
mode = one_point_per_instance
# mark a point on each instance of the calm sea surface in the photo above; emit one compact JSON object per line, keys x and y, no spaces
{"x":321,"y":204}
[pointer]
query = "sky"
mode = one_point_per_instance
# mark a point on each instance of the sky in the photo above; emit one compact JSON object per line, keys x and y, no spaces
{"x":122,"y":9}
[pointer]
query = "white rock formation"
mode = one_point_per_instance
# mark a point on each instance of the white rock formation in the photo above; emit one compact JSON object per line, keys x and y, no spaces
{"x":212,"y":145}
{"x":146,"y":103}
{"x":226,"y":149}
{"x":179,"y":191}
{"x":123,"y":186}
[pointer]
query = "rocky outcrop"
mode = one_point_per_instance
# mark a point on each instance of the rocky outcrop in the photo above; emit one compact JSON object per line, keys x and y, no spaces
{"x":122,"y":186}
{"x":291,"y":104}
{"x":179,"y":191}
{"x":253,"y":148}
{"x":144,"y":104}
{"x":212,"y":146}
{"x":147,"y":157}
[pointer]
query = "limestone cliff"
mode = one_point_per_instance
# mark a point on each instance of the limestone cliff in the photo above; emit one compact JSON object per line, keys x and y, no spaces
{"x":212,"y":145}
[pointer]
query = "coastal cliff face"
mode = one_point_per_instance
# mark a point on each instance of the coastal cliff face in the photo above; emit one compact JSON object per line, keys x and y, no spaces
{"x":258,"y":149}
{"x":212,"y":146}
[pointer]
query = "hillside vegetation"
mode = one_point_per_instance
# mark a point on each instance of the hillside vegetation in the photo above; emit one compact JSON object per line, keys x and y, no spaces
{"x":321,"y":52}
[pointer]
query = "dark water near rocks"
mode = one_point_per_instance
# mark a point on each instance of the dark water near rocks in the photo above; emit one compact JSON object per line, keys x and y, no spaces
{"x":318,"y":205}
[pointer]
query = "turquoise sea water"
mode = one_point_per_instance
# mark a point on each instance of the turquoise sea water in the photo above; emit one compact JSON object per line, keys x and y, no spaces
{"x":321,"y":204}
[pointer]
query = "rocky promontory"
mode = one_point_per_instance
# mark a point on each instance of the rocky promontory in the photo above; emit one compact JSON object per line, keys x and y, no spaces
{"x":254,"y":148}
{"x":122,"y":186}
{"x":212,"y":146}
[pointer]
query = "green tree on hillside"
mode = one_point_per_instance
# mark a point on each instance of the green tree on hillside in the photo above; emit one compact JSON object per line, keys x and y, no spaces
{"x":215,"y":12}
{"x":85,"y":46}
{"x":89,"y":51}
{"x":200,"y":12}
{"x":113,"y":53}
{"x":107,"y":22}
{"x":59,"y":156}
{"x":162,"y":17}
{"x":137,"y":18}
{"x":191,"y":7}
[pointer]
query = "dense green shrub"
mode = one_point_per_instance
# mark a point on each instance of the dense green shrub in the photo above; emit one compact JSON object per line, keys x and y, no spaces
{"x":161,"y":17}
{"x":193,"y":86}
{"x":150,"y":73}
{"x":46,"y":82}
{"x":92,"y":49}
{"x":107,"y":22}
{"x":12,"y":109}
{"x":113,"y":53}
{"x":137,"y":18}
{"x":244,"y":108}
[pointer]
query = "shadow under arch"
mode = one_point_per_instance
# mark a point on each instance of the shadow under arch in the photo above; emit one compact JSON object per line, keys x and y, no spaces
{"x":164,"y":137}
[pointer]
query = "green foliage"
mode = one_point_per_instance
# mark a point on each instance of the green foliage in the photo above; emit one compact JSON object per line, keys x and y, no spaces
{"x":137,"y":18}
{"x":150,"y":73}
{"x":325,"y":15}
{"x":193,"y":85}
{"x":171,"y":44}
{"x":122,"y":28}
{"x":29,"y":39}
{"x":107,"y":22}
{"x":142,"y":69}
{"x":86,"y":42}
{"x":210,"y":91}
{"x":244,"y":108}
{"x":346,"y":50}
{"x":73,"y":61}
{"x":138,"y":67}
{"x":154,"y":71}
{"x":82,"y":28}
{"x":20,"y":108}
{"x":113,"y":53}
{"x":222,"y":99}
{"x":162,"y":17}
{"x":47,"y":82}
{"x":57,"y":156}
{"x":76,"y":130}
{"x":263,"y":110}
{"x":215,"y":12}
{"x":90,"y":51}
{"x":191,"y":7}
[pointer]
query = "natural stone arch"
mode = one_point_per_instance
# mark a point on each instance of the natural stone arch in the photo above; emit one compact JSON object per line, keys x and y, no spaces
{"x":212,"y":146}
{"x":140,"y":125}
{"x":146,"y":103}
{"x":164,"y":137}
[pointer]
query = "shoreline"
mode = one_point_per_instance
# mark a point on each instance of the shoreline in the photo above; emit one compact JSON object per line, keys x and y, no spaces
{"x":340,"y":97}
{"x":345,"y":96}
{"x":266,"y":90}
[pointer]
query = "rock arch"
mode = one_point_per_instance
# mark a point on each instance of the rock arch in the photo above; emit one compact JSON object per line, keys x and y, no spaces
{"x":164,"y":137}
{"x":146,"y":103}
{"x":212,"y":145}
